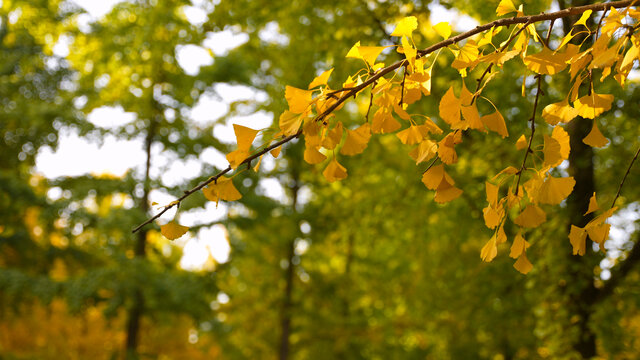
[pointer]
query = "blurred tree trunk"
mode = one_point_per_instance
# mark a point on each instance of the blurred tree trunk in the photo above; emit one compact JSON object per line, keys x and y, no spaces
{"x":287,"y":304}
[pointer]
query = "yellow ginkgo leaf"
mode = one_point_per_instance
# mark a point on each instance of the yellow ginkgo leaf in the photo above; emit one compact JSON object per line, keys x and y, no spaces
{"x":236,"y":157}
{"x":321,"y":79}
{"x":578,"y":237}
{"x":492,"y":193}
{"x":545,"y":62}
{"x":554,"y":190}
{"x":433,"y":177}
{"x":583,"y":19}
{"x":492,"y":217}
{"x":383,"y":122}
{"x":563,"y":139}
{"x":590,"y":106}
{"x":593,"y":204}
{"x":467,"y":57}
{"x":531,"y":217}
{"x":505,"y":7}
{"x":357,"y":140}
{"x":405,"y":26}
{"x":443,"y":29}
{"x":290,"y":122}
{"x":173,"y":230}
{"x":312,"y":155}
{"x":523,"y":264}
{"x":599,"y":233}
{"x":518,"y":247}
{"x":495,"y":122}
{"x":244,"y":136}
{"x":472,"y":117}
{"x":522,"y":142}
{"x":559,"y":112}
{"x":489,"y":250}
{"x":222,"y":189}
{"x":334,"y":171}
{"x":446,"y":151}
{"x":552,"y":155}
{"x":298,"y":99}
{"x":425,"y":151}
{"x":409,"y":51}
{"x":276,"y":152}
{"x":446,"y":192}
{"x":595,"y":138}
{"x":332,"y":137}
{"x":411,"y":135}
{"x":367,"y":53}
{"x":449,"y":107}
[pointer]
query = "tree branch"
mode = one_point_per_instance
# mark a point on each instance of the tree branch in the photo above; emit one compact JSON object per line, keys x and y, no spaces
{"x":386,"y":70}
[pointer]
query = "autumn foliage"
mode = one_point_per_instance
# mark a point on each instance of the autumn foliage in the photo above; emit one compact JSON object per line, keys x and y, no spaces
{"x":520,"y":193}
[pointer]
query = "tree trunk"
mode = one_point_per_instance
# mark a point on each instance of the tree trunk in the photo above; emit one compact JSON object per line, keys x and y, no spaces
{"x":287,"y":304}
{"x":137,"y":307}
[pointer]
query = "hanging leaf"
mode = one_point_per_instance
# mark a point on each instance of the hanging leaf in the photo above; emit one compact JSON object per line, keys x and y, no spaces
{"x":173,"y":230}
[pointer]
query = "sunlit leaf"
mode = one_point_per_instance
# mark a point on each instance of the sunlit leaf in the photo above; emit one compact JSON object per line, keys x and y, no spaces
{"x":545,"y":62}
{"x":443,"y":29}
{"x":222,"y":189}
{"x":298,"y":99}
{"x":173,"y":230}
{"x":559,"y":112}
{"x":552,"y":155}
{"x":411,"y":135}
{"x":357,"y":140}
{"x":321,"y":79}
{"x":590,"y":106}
{"x":405,"y":27}
{"x":595,"y":138}
{"x":505,"y":7}
{"x":554,"y":190}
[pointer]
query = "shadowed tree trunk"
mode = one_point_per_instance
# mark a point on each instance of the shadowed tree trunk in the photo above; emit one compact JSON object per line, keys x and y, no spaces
{"x":137,"y":307}
{"x":287,"y":303}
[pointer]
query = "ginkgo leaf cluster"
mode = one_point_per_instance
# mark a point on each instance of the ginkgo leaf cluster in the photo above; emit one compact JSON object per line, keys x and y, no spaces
{"x":521,"y":193}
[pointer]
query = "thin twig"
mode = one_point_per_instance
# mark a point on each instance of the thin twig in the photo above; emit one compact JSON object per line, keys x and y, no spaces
{"x":625,"y":177}
{"x":533,"y":131}
{"x":216,"y":177}
{"x":348,"y":92}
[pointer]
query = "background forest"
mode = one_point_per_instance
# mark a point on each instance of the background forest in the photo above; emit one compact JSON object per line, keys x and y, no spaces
{"x":299,"y":268}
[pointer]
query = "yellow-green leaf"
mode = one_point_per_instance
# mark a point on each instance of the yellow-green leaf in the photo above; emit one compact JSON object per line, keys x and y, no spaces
{"x":405,"y":27}
{"x":443,"y":29}
{"x":505,"y":7}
